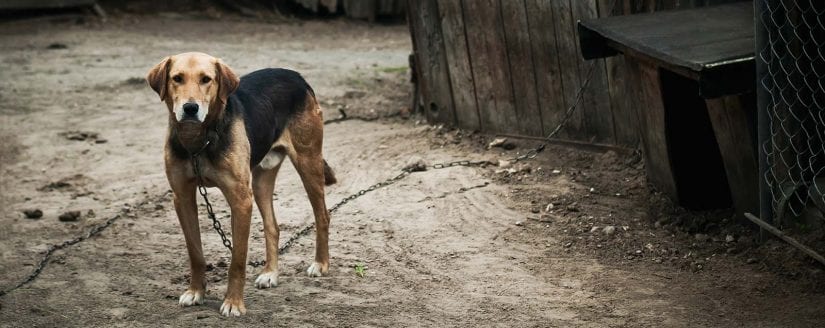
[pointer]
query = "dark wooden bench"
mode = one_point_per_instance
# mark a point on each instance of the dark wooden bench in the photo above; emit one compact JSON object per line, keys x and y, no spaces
{"x":693,"y":74}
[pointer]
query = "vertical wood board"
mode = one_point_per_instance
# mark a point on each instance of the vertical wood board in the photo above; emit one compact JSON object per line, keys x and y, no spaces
{"x":522,"y":71}
{"x":488,"y":56}
{"x":546,"y":64}
{"x":458,"y":61}
{"x":431,"y":63}
{"x":596,"y":110}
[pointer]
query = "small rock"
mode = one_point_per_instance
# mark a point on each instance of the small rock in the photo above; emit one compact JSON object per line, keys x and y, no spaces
{"x":519,"y":223}
{"x":33,"y":214}
{"x":503,"y":163}
{"x":497,"y":142}
{"x":609,"y":230}
{"x":90,"y":214}
{"x":701,"y":237}
{"x":556,"y":172}
{"x":568,"y":244}
{"x":415,"y":164}
{"x":573,"y":207}
{"x":202,"y":316}
{"x":535,"y":210}
{"x":592,"y":190}
{"x":69,"y":216}
{"x":352,"y":94}
{"x":594,"y":229}
{"x":729,"y":239}
{"x":751,"y":260}
{"x":549,"y":207}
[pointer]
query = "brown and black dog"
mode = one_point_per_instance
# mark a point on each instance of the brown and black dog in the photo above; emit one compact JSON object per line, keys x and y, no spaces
{"x":241,"y":130}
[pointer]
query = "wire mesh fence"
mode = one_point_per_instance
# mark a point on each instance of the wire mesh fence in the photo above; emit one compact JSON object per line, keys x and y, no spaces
{"x":790,"y":57}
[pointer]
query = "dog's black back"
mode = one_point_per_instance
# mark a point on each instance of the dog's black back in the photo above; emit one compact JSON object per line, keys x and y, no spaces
{"x":268,"y":99}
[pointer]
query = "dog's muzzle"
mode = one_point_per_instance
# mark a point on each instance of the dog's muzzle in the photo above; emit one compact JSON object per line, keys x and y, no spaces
{"x":191,"y":112}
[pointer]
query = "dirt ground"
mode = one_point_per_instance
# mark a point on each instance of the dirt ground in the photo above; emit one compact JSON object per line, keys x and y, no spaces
{"x":452,"y":247}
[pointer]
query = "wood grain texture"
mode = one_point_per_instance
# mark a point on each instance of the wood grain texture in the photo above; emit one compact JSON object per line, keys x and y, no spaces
{"x":458,"y":61}
{"x":567,"y":50}
{"x":625,"y":126}
{"x":431,"y":63}
{"x":596,"y":109}
{"x":651,"y":117}
{"x":522,"y":71}
{"x":488,"y":56}
{"x":545,"y":54}
{"x":729,"y":118}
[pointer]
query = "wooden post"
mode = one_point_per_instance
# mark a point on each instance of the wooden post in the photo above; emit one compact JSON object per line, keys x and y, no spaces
{"x":650,"y":113}
{"x":733,"y":133}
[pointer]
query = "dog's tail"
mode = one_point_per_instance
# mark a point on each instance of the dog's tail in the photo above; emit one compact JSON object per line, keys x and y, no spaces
{"x":329,"y":175}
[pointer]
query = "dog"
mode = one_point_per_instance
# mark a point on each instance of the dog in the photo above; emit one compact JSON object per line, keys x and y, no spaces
{"x":241,"y":129}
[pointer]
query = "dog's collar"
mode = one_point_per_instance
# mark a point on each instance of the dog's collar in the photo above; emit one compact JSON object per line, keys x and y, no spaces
{"x":205,"y":144}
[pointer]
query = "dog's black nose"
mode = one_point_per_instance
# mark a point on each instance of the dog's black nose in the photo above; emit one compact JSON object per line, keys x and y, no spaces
{"x":190,"y":108}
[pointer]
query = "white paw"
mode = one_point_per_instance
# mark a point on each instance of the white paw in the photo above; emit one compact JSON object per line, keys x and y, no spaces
{"x":267,"y":280}
{"x":315,"y":270}
{"x":232,"y":308}
{"x":191,"y":297}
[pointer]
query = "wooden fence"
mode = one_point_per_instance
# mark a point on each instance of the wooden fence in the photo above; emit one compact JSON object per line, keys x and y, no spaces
{"x":514,"y":66}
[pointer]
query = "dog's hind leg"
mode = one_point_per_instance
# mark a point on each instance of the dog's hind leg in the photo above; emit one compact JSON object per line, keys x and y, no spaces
{"x":306,"y":135}
{"x":311,"y":170}
{"x":263,"y":184}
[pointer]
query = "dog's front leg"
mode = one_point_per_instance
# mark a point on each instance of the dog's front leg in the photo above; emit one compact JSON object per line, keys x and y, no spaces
{"x":186,"y":208}
{"x":239,"y":196}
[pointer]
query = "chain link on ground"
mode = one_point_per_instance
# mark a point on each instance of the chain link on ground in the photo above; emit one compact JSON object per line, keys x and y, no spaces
{"x":405,"y":172}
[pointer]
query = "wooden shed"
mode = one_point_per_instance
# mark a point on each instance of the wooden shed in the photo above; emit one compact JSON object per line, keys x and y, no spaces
{"x":515,"y":66}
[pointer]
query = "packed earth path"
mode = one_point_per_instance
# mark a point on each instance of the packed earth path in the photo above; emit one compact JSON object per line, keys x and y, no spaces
{"x":521,"y":246}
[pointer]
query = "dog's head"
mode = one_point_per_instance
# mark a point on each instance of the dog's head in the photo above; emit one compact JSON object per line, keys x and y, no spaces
{"x":193,"y":85}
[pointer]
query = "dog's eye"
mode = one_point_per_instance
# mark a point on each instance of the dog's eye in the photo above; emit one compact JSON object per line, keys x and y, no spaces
{"x":206,"y":79}
{"x":177,"y":79}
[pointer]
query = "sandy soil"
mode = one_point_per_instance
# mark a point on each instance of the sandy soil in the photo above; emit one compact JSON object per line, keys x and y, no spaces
{"x":452,"y":247}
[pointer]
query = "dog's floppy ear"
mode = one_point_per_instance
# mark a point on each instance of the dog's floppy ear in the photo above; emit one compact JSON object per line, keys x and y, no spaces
{"x":158,"y":77}
{"x":227,"y":80}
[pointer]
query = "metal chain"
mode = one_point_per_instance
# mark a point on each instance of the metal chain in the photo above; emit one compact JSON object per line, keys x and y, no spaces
{"x":211,"y":213}
{"x":53,"y":248}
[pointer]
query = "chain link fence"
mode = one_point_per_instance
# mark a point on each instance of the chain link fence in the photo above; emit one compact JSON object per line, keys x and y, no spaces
{"x":790,"y":59}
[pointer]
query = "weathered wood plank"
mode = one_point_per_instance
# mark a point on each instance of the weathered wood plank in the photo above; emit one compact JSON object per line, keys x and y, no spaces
{"x":730,"y":121}
{"x":522,"y":71}
{"x":651,"y":117}
{"x":596,"y":107}
{"x":491,"y":72}
{"x":431,"y":65}
{"x":546,"y":64}
{"x":625,"y":125}
{"x":568,"y":54}
{"x":458,"y":60}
